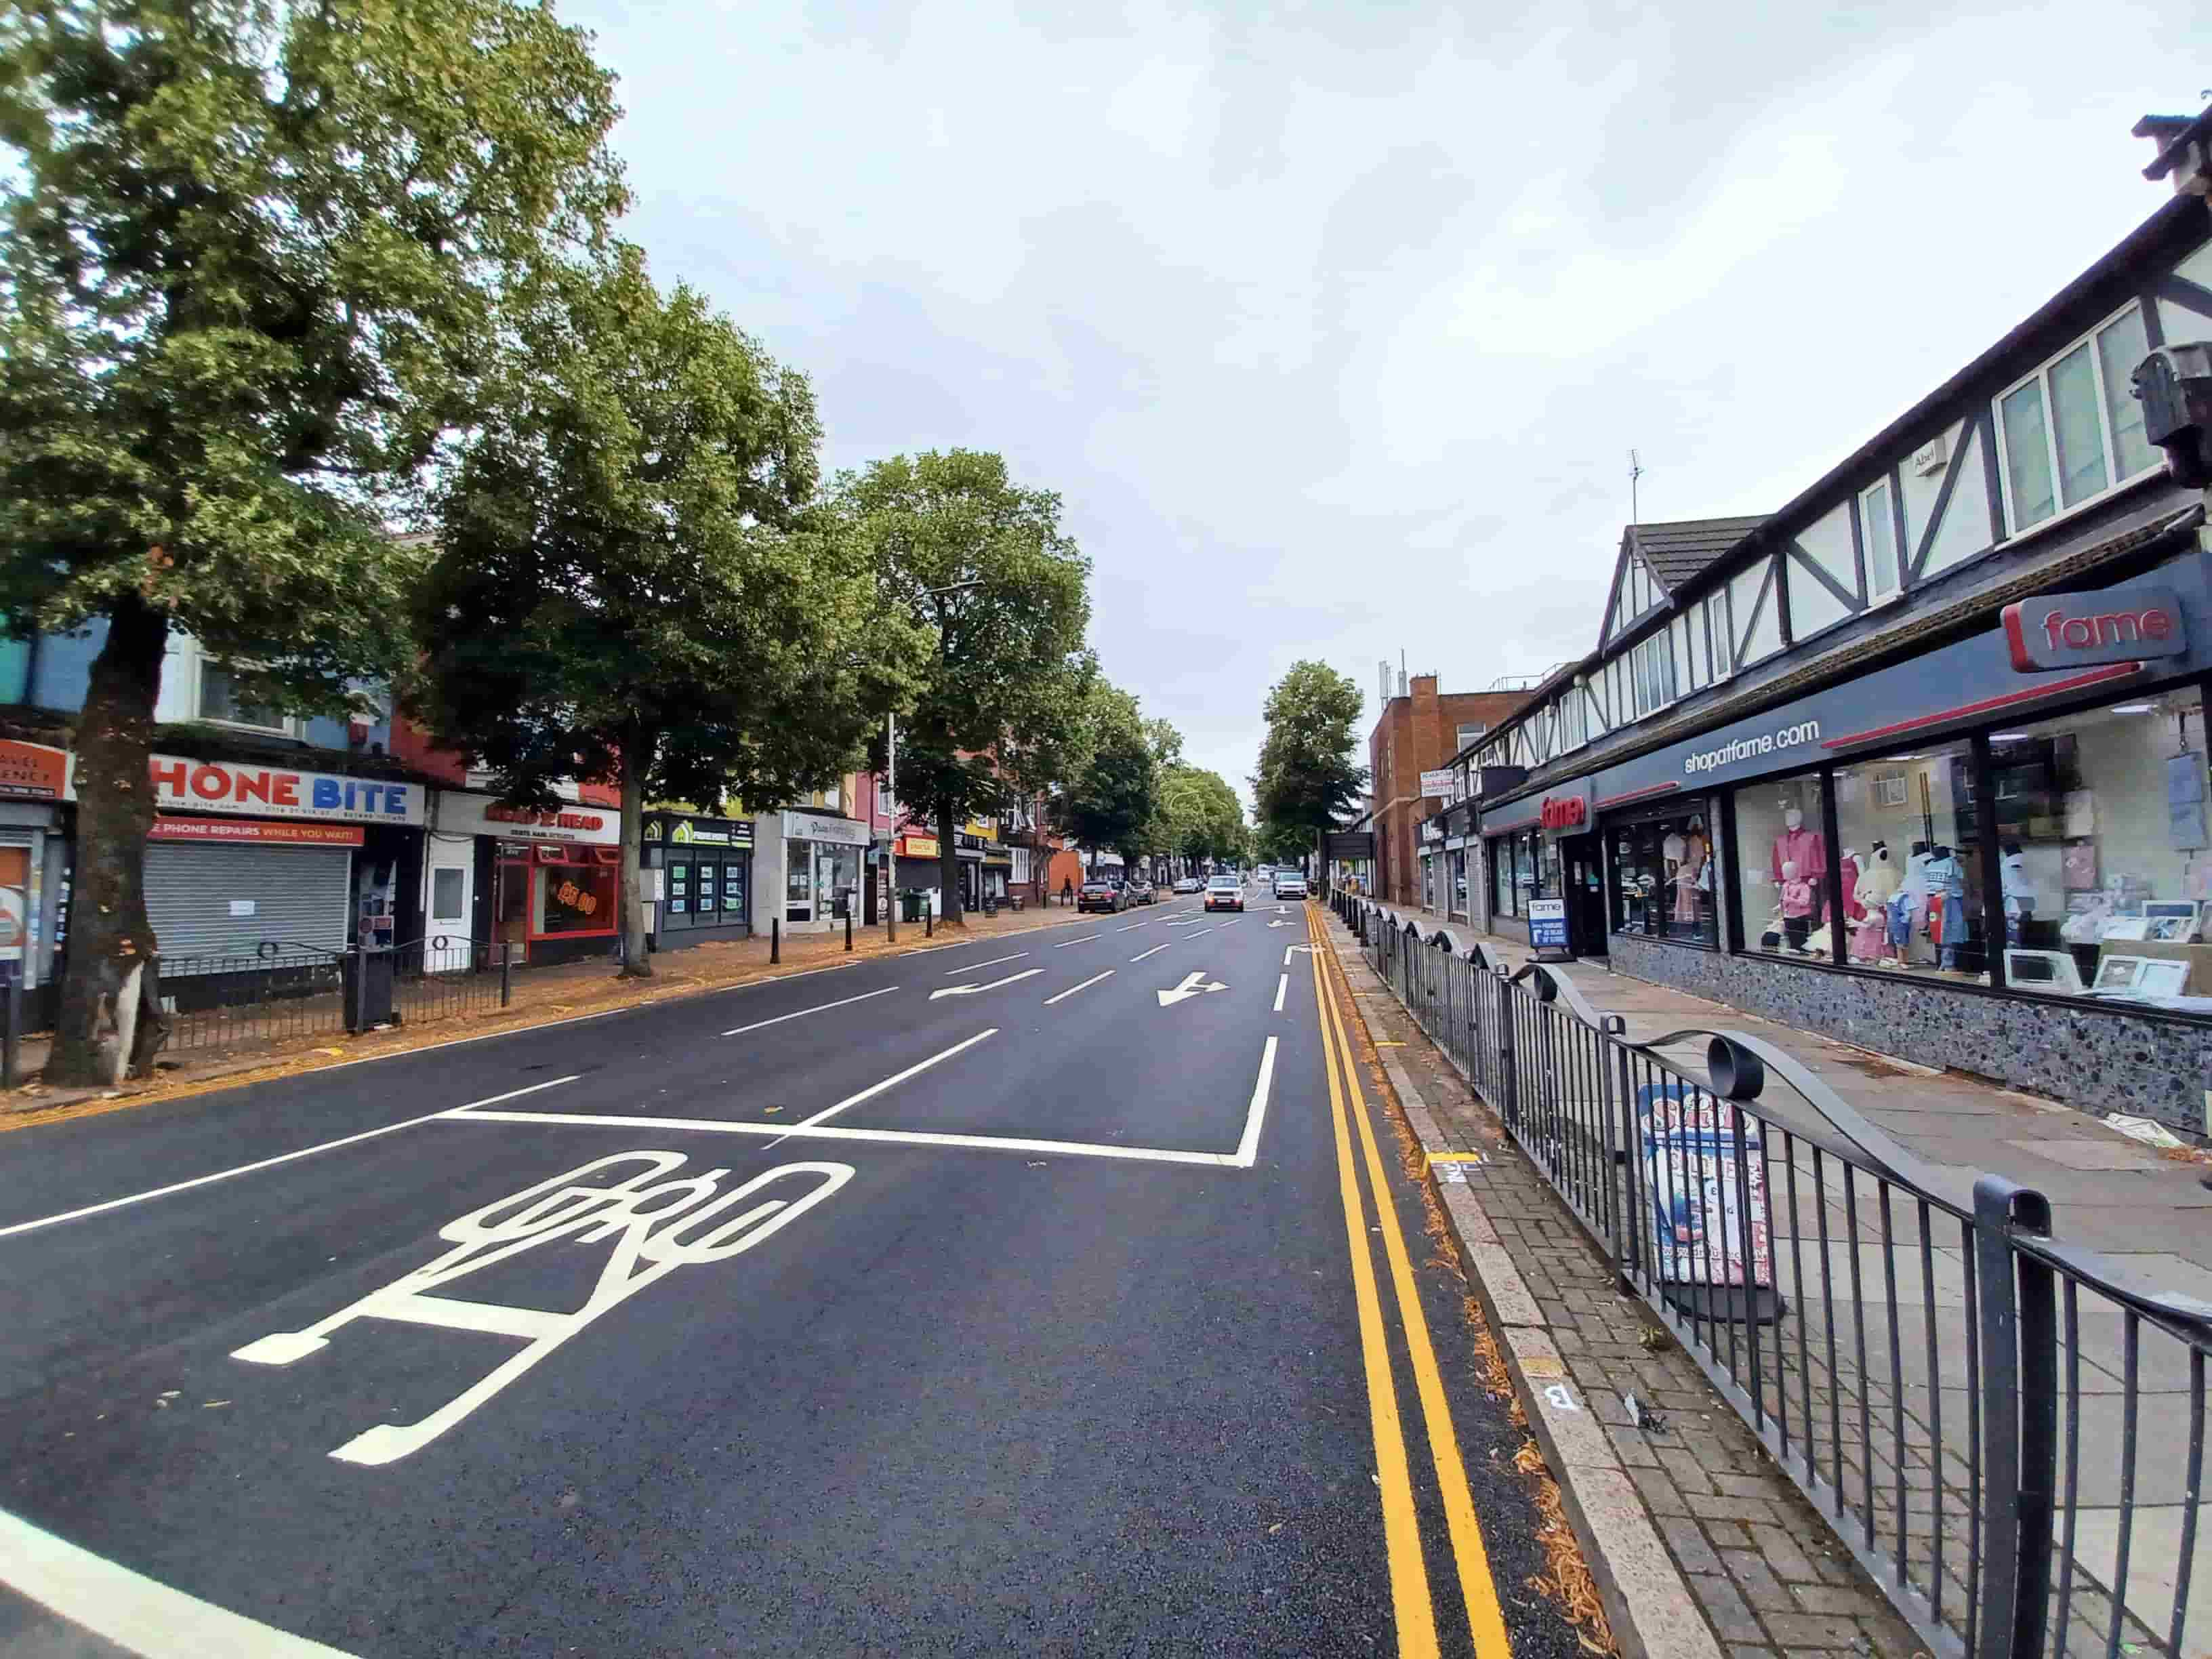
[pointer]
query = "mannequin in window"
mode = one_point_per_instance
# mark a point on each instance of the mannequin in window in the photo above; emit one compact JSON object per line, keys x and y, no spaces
{"x":1687,"y":872}
{"x":2019,"y":895}
{"x":1798,"y":901}
{"x":1905,"y":906}
{"x":1848,"y":868}
{"x":1877,"y":885}
{"x":1946,"y":879}
{"x":1801,"y":846}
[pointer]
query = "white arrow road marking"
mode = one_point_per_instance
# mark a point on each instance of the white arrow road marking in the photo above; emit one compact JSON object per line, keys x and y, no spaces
{"x":1192,"y":985}
{"x":1282,"y":924}
{"x":971,"y":990}
{"x":970,"y":967}
{"x":1287,"y":949}
{"x":1072,"y":989}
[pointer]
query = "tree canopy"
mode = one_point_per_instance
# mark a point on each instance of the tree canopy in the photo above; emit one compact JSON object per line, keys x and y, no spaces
{"x":1308,"y":779}
{"x":254,"y":253}
{"x":629,"y":582}
{"x":960,"y":548}
{"x":1110,"y":803}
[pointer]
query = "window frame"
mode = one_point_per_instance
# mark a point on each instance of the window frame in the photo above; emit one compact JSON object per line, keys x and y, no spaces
{"x":286,"y":725}
{"x":2040,"y":377}
{"x":1867,"y":519}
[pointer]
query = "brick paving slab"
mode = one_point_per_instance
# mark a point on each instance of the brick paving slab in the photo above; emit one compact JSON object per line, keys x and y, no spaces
{"x":1758,"y":1564}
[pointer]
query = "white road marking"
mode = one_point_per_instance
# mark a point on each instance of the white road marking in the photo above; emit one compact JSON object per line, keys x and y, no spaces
{"x":1132,"y":927}
{"x":1154,"y":951}
{"x":1085,"y":940}
{"x":1287,"y":956}
{"x":892,"y":1137}
{"x":1072,"y":989}
{"x":843,"y":1002}
{"x":1282,"y":986}
{"x":1247,"y":1149}
{"x":131,"y":1610}
{"x":642,"y":1213}
{"x":1192,"y":985}
{"x":973,"y":990}
{"x":271,"y":1162}
{"x":970,"y":967}
{"x":873,"y":1089}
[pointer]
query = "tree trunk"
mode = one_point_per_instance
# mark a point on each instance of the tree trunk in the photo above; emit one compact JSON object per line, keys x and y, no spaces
{"x":636,"y":963}
{"x":948,"y":867}
{"x":108,"y":933}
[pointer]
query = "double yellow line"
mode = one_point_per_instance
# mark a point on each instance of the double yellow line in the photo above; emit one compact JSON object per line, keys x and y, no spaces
{"x":1410,"y":1598}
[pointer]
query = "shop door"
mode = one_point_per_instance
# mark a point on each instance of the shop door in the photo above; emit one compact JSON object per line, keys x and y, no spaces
{"x":1583,"y":878}
{"x":452,"y":902}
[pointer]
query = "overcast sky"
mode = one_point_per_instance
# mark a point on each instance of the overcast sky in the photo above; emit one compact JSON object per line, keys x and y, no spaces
{"x":1334,"y":331}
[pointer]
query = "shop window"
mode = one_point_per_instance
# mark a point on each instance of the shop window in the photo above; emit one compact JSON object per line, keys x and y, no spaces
{"x":1501,"y":877}
{"x":2102,"y":845}
{"x":576,"y":898}
{"x":1783,"y":862}
{"x":446,"y":887}
{"x":1663,"y":877}
{"x":1878,"y":525}
{"x":2072,"y":429}
{"x":222,"y":700}
{"x":1911,"y":863}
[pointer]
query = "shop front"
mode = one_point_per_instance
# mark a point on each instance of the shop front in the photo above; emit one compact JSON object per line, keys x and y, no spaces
{"x":1430,"y":842}
{"x":701,"y":872}
{"x":248,"y":864}
{"x":1543,"y":848}
{"x":822,"y":853}
{"x":545,"y":881}
{"x":1994,"y":854}
{"x":919,"y":868}
{"x":34,"y":865}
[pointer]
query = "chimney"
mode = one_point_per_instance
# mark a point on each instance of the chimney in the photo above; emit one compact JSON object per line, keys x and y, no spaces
{"x":1424,"y":688}
{"x":2182,"y":141}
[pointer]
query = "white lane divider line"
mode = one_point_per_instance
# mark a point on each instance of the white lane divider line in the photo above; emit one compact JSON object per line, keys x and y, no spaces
{"x":1085,"y":940}
{"x":890,"y":1082}
{"x":970,"y":967}
{"x":1154,"y":951}
{"x":1282,"y":986}
{"x":283,"y":1157}
{"x":1133,"y":927}
{"x":1072,"y":989}
{"x":1247,"y":1149}
{"x":890,"y":1137}
{"x":130,"y":1610}
{"x":843,"y":1002}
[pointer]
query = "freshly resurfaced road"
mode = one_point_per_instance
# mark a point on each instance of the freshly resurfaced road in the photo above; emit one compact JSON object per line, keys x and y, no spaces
{"x":1061,"y":1293}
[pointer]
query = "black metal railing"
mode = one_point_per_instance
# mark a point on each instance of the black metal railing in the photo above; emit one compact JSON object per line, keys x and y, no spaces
{"x":2006,"y":1430}
{"x":285,"y":989}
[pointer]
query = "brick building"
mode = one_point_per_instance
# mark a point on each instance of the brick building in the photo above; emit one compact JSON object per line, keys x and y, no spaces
{"x":1419,"y":731}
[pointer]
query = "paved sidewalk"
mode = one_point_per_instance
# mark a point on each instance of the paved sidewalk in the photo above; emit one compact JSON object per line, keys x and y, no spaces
{"x":1756,"y":1566}
{"x":540,"y":995}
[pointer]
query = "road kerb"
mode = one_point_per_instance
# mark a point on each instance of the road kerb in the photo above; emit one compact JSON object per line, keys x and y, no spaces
{"x":1652,"y":1611}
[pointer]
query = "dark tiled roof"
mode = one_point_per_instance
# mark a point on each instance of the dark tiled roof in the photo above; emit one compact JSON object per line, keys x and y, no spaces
{"x":1677,"y":552}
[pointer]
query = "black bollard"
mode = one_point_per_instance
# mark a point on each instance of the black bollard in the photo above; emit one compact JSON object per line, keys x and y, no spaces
{"x":849,"y":930}
{"x":775,"y":940}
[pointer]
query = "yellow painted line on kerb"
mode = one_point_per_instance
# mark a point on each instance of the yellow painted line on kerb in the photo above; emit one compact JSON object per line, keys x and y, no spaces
{"x":1486,"y":1618}
{"x":1415,"y":1614}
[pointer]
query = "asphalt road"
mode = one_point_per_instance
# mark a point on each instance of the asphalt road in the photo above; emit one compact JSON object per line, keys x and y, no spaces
{"x":956,"y":1302}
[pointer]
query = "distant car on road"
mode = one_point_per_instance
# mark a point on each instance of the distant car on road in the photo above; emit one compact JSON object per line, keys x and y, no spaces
{"x":1289,"y":884}
{"x":1189,"y":885}
{"x":1100,"y":894}
{"x":1224,"y":893}
{"x":1139,"y":891}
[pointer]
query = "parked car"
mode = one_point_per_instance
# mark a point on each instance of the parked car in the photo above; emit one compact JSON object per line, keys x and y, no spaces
{"x":1289,"y":884}
{"x":1189,"y":885}
{"x":1139,"y":891}
{"x":1224,"y":893}
{"x":1100,"y":893}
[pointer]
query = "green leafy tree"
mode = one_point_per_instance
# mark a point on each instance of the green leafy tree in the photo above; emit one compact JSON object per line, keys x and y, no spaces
{"x":629,"y":583}
{"x":1308,"y":779}
{"x":1111,"y":802}
{"x":1204,"y":820}
{"x":252,"y":254}
{"x":981,"y":562}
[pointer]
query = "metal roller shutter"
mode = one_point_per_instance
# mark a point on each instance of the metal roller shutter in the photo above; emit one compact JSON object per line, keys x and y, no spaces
{"x":300,"y":895}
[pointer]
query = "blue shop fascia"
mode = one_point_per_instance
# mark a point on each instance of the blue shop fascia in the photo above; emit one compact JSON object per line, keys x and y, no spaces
{"x":1918,"y":760}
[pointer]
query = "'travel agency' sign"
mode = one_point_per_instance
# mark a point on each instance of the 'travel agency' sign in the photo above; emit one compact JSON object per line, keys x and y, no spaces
{"x":2121,"y":624}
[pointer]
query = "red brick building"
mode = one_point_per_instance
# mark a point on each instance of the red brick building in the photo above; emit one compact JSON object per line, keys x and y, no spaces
{"x":1418,"y":732}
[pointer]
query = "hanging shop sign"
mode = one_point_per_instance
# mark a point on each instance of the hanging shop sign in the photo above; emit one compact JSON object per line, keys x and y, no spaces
{"x":260,"y":832}
{"x":919,"y":847}
{"x":1438,"y":783}
{"x":2121,"y":624}
{"x":824,"y":826}
{"x":460,"y":814}
{"x":1701,"y":1168}
{"x":280,"y":792}
{"x":32,"y":771}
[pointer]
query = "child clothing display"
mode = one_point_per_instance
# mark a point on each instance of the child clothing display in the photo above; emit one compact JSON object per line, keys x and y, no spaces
{"x":1798,"y":899}
{"x":1800,"y":845}
{"x":1876,"y":886}
{"x":1946,"y":879}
